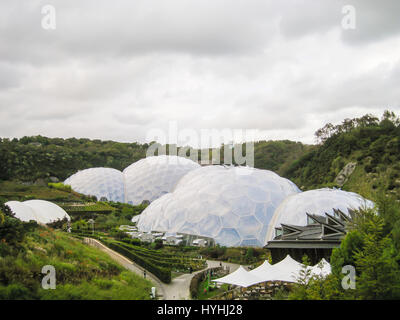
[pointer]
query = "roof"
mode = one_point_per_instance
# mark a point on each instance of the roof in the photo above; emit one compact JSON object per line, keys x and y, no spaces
{"x":287,"y":270}
{"x":240,"y":277}
{"x":321,"y":232}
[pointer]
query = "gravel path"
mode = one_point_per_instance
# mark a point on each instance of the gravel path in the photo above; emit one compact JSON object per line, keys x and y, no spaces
{"x":178,"y":289}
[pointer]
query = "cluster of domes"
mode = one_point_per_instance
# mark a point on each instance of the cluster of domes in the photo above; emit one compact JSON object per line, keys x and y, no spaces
{"x":240,"y":206}
{"x":146,"y":179}
{"x":237,"y":206}
{"x":40,"y":211}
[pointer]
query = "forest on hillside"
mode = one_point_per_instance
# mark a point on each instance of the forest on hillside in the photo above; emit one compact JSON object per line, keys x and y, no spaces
{"x":32,"y":158}
{"x":372,"y":143}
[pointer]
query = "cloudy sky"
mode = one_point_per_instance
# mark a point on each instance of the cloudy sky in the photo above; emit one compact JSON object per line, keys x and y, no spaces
{"x":118,"y":70}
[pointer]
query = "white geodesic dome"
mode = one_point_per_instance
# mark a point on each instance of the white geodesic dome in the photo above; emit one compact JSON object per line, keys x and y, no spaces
{"x":40,"y":211}
{"x":320,"y":201}
{"x":99,"y":182}
{"x":152,"y":177}
{"x":233,"y":205}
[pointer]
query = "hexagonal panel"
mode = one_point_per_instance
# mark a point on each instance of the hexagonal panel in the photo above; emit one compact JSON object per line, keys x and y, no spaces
{"x":221,"y":202}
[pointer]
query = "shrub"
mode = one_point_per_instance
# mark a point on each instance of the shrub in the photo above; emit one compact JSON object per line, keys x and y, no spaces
{"x":59,"y":186}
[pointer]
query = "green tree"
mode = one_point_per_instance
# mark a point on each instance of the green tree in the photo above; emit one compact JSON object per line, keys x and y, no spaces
{"x":377,"y":262}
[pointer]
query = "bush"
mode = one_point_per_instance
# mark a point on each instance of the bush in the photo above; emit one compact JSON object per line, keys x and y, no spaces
{"x":59,"y":186}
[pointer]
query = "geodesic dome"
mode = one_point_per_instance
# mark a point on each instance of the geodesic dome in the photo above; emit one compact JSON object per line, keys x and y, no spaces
{"x":99,"y":182}
{"x":40,"y":211}
{"x":233,"y":205}
{"x":320,"y":201}
{"x":152,"y":177}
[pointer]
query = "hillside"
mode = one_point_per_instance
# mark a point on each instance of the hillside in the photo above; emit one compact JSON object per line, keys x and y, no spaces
{"x":278,"y":155}
{"x":82,"y":272}
{"x":373,"y":144}
{"x":36,"y":159}
{"x":31,"y":158}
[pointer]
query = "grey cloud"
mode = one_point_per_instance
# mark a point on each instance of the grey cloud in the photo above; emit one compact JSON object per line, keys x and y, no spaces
{"x":115,"y":70}
{"x":375,"y":21}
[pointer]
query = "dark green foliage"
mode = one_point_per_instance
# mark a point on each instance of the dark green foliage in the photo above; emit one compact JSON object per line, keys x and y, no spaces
{"x":370,"y":248}
{"x":30,"y":158}
{"x":59,"y":224}
{"x":158,"y":244}
{"x":12,"y":230}
{"x":372,"y":144}
{"x":278,"y":155}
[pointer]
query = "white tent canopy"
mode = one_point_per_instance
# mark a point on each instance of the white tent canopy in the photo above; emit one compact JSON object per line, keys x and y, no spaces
{"x":323,"y":268}
{"x":241,"y":277}
{"x":287,"y":270}
{"x":23,"y":212}
{"x":41,"y":211}
{"x":261,"y":270}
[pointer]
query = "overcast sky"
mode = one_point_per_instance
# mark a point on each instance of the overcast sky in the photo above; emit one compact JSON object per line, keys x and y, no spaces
{"x":116,"y":70}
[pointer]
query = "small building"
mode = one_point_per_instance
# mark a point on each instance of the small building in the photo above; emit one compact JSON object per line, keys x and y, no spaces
{"x":133,"y":234}
{"x":127,"y":228}
{"x":146,"y":237}
{"x":316,"y":240}
{"x":172,"y":239}
{"x":199,"y":243}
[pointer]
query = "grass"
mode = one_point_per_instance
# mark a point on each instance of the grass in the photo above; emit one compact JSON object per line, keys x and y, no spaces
{"x":82,"y":272}
{"x":16,"y":191}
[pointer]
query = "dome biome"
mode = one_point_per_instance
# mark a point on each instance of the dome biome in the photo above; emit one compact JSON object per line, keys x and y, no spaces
{"x":100,"y":182}
{"x":152,"y":177}
{"x":41,"y":211}
{"x":233,"y":205}
{"x":144,"y":180}
{"x":320,"y":201}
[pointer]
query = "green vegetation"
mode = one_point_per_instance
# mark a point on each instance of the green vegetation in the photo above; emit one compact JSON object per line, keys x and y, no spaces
{"x":236,"y":255}
{"x":36,"y":159}
{"x":30,"y":165}
{"x":59,"y":186}
{"x":159,"y":261}
{"x":278,"y":155}
{"x":88,"y":208}
{"x":12,"y":190}
{"x":202,"y":288}
{"x":372,"y":143}
{"x":207,"y":290}
{"x":82,"y":272}
{"x":32,"y":158}
{"x":372,"y":246}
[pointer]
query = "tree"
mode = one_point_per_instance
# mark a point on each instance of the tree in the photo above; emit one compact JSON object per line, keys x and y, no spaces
{"x":371,"y":250}
{"x":377,"y":262}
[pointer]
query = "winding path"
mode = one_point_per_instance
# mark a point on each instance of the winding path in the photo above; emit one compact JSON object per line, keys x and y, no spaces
{"x":128,"y":264}
{"x":178,"y":289}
